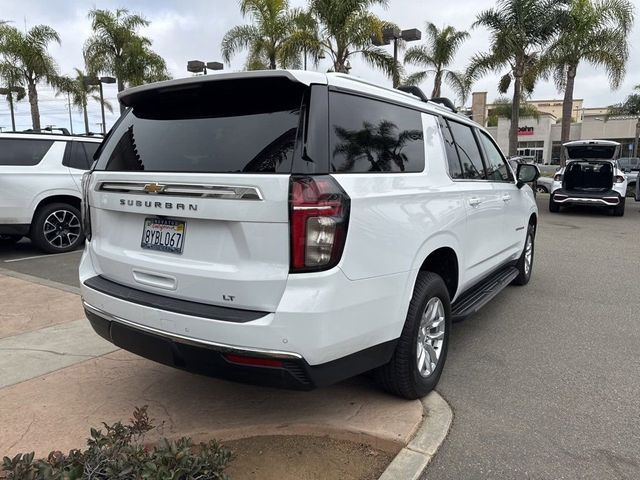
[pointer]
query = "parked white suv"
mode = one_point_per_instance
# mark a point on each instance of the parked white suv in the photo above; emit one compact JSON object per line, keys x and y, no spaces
{"x":40,"y":180}
{"x":591,"y":176}
{"x":298,"y":228}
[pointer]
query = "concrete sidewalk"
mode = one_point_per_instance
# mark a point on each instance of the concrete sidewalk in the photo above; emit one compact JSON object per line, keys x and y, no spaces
{"x":58,"y":379}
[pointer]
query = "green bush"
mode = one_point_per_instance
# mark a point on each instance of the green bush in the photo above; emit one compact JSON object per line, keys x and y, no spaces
{"x":119,"y":453}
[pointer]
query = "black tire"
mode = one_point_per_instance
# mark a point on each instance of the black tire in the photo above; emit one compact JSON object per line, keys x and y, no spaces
{"x":524,"y":273}
{"x":618,"y":210}
{"x":553,"y":206}
{"x":401,"y":375}
{"x":67,"y":243}
{"x":541,"y":189}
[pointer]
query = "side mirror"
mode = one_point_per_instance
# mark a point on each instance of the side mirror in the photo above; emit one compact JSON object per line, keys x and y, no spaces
{"x":527,"y":173}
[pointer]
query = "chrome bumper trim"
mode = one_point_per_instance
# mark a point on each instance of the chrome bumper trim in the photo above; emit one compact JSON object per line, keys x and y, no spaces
{"x":220,"y":347}
{"x":608,"y":201}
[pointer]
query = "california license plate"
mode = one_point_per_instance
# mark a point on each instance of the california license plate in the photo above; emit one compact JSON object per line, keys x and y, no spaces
{"x":163,"y":234}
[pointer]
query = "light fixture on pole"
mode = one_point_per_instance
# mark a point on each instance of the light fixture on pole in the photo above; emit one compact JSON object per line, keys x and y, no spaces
{"x":394,"y":34}
{"x":198,"y":66}
{"x":99,"y":81}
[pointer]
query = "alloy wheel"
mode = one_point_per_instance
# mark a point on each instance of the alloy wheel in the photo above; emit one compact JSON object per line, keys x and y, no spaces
{"x":430,"y":337}
{"x":62,"y":229}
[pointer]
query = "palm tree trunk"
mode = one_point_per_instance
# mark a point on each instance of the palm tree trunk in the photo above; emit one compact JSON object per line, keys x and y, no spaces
{"x":13,"y":115}
{"x":515,"y":114}
{"x":86,"y":119}
{"x":33,"y":101}
{"x":567,"y":107}
{"x":121,"y":88}
{"x":437,"y":84}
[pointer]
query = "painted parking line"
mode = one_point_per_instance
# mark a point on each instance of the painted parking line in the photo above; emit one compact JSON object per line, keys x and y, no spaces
{"x":39,"y":256}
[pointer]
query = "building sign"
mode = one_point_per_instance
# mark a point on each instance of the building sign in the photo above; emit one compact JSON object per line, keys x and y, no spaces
{"x":522,"y":131}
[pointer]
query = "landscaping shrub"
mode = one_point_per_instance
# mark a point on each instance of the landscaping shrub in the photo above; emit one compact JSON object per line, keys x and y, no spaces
{"x":119,"y":453}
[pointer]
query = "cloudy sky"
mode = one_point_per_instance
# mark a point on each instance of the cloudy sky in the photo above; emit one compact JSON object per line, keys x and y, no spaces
{"x":193,"y":29}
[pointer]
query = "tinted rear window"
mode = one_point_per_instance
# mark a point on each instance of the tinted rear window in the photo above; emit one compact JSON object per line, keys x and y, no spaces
{"x":591,"y":151}
{"x":23,"y":152}
{"x":241,"y":126}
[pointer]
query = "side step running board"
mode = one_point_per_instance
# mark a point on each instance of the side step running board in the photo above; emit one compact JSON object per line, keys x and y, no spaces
{"x":478,"y":296}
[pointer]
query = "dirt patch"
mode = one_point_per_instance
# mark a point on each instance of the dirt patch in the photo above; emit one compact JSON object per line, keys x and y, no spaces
{"x":304,"y":458}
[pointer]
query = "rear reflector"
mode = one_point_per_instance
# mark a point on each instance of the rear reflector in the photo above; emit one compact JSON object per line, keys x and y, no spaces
{"x":254,"y":361}
{"x":319,"y":215}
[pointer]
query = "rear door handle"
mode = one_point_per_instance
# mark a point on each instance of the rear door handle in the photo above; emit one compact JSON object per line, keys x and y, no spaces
{"x":475,"y":201}
{"x":506,"y":197}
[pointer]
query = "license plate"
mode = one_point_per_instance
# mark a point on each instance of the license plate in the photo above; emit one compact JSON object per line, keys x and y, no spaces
{"x":163,"y":234}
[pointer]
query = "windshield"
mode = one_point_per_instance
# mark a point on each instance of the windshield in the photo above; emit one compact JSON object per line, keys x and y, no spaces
{"x":244,"y":126}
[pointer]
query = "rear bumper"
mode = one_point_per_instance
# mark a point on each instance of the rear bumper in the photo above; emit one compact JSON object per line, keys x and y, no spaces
{"x":280,"y":369}
{"x":325,"y":326}
{"x":610,"y":198}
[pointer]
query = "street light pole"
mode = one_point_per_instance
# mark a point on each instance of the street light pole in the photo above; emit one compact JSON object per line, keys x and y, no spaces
{"x":198,"y":66}
{"x":394,"y":34}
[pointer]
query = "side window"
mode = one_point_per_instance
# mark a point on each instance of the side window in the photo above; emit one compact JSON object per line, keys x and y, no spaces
{"x":368,"y":136}
{"x":497,"y":169}
{"x":455,"y":167}
{"x":469,"y":152}
{"x":75,"y":156}
{"x":90,"y":149}
{"x":23,"y":152}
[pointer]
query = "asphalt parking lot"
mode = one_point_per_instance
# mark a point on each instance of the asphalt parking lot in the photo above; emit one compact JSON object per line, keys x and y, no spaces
{"x":543,"y":381}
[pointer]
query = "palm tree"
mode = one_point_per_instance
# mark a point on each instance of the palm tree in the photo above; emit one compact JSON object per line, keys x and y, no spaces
{"x":27,"y":54}
{"x":630,"y":107}
{"x":437,"y":55}
{"x":116,"y":49}
{"x":503,"y":108}
{"x":520,"y":29}
{"x":80,"y":91}
{"x":345,"y":28}
{"x":595,"y":32}
{"x":12,"y":89}
{"x":272,"y":23}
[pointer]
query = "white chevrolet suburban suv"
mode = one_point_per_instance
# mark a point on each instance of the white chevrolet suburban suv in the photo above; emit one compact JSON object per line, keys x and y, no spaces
{"x":40,"y":180}
{"x":297,"y":228}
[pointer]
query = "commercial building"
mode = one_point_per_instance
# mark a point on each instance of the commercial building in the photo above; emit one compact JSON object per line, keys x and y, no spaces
{"x":540,"y":137}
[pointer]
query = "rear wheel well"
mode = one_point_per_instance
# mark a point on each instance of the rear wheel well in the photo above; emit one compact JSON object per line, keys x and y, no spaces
{"x":444,"y":263}
{"x":68,"y":199}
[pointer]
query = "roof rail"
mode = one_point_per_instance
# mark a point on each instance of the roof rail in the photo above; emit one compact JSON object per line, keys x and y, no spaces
{"x":417,"y":92}
{"x":63,"y":131}
{"x":446,"y":102}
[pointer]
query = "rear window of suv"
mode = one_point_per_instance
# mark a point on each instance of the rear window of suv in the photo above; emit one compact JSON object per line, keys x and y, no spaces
{"x":241,"y":126}
{"x":23,"y":152}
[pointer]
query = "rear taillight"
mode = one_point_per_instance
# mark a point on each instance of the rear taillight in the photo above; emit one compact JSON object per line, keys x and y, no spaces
{"x":319,"y":216}
{"x":557,"y":177}
{"x":86,"y":215}
{"x":619,"y":179}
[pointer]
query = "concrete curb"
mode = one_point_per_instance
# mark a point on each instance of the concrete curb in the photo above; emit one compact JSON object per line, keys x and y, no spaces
{"x":40,"y":281}
{"x":412,"y":460}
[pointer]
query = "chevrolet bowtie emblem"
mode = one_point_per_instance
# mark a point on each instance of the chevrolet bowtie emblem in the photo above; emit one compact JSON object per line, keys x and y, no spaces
{"x":154,"y":188}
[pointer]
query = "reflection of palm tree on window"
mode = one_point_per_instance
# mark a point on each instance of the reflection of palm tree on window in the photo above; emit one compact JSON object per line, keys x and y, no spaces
{"x":381,"y":145}
{"x":470,"y":170}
